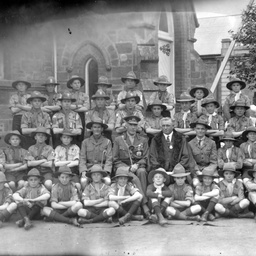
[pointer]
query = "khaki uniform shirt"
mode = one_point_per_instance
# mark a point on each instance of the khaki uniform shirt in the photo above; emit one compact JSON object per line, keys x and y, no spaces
{"x":165,"y":97}
{"x":179,"y":122}
{"x":238,"y":124}
{"x":70,"y":120}
{"x":19,"y":99}
{"x":107,"y":115}
{"x":233,"y":154}
{"x":91,"y":193}
{"x":34,"y":119}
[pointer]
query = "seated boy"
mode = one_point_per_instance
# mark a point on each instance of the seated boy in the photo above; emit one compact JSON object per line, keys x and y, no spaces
{"x":159,"y":194}
{"x":95,"y":199}
{"x":64,"y":200}
{"x":181,"y":206}
{"x":31,"y":199}
{"x":127,"y":197}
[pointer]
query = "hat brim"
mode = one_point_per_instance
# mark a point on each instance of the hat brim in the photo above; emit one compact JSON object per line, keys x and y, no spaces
{"x":165,"y":83}
{"x":9,"y":135}
{"x":126,"y":119}
{"x":214,"y":102}
{"x":193,"y":125}
{"x":68,"y":134}
{"x":233,"y":107}
{"x":123,"y":79}
{"x":185,"y":100}
{"x":50,"y":84}
{"x":108,"y":85}
{"x":225,"y":139}
{"x":70,"y":81}
{"x":130,"y":178}
{"x":229,"y":84}
{"x":25,"y":177}
{"x":56,"y":174}
{"x":43,"y":99}
{"x":160,"y":105}
{"x":89,"y":125}
{"x":14,"y":84}
{"x":94,"y":97}
{"x":33,"y":134}
{"x":202,"y":175}
{"x":89,"y":173}
{"x":180,"y":175}
{"x":244,"y":134}
{"x":153,"y":172}
{"x":193,"y":90}
{"x":137,"y":99}
{"x":221,"y":173}
{"x":72,"y":100}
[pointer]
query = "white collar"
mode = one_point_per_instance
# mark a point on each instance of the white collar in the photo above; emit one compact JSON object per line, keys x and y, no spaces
{"x":200,"y":139}
{"x":168,"y":135}
{"x":213,"y":114}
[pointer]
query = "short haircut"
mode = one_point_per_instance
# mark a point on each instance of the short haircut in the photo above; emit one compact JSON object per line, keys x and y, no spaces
{"x":165,"y":119}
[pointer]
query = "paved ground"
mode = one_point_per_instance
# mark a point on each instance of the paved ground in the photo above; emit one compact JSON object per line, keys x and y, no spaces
{"x":226,"y":237}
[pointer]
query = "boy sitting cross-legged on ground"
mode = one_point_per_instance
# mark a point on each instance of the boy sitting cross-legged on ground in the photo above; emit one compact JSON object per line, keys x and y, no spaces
{"x":95,"y":198}
{"x":31,"y":199}
{"x":127,"y":197}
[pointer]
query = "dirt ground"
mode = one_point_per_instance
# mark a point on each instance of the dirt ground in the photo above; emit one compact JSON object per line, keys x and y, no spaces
{"x":224,"y":237}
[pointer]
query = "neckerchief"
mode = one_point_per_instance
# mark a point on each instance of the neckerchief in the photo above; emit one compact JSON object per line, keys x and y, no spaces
{"x":229,"y":153}
{"x":20,"y":95}
{"x":34,"y":192}
{"x":37,"y":119}
{"x":158,"y":188}
{"x":15,"y":154}
{"x":230,"y":186}
{"x":184,"y":117}
{"x":121,"y":190}
{"x":66,"y":113}
{"x":250,"y":148}
{"x":161,"y":95}
{"x":40,"y":150}
{"x":67,"y":147}
{"x":199,"y":107}
{"x":237,"y":95}
{"x":210,"y":118}
{"x":66,"y":191}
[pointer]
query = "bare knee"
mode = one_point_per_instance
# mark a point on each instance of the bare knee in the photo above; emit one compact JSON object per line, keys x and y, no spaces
{"x":107,"y":181}
{"x":170,"y":210}
{"x":195,"y":209}
{"x":84,"y":181}
{"x":48,"y":184}
{"x":12,"y":185}
{"x":219,"y":208}
{"x":46,"y":211}
{"x":12,"y":207}
{"x":110,"y":211}
{"x":82,"y":212}
{"x":77,"y":206}
{"x":21,"y":184}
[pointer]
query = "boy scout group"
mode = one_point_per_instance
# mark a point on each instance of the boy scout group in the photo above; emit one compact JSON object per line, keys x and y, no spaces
{"x":119,"y":160}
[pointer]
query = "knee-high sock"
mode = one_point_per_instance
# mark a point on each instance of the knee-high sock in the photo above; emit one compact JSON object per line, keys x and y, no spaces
{"x":100,"y":217}
{"x":58,"y":217}
{"x":180,"y":216}
{"x":34,"y":211}
{"x":4,"y":215}
{"x":134,"y":207}
{"x":69,"y":213}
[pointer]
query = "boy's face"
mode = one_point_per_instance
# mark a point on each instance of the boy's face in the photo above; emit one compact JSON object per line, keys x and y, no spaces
{"x":14,"y":140}
{"x":100,"y":102}
{"x":239,"y":111}
{"x":102,"y":87}
{"x":236,"y":87}
{"x":33,"y":181}
{"x":1,"y":185}
{"x":207,"y":180}
{"x":122,"y":181}
{"x":97,"y":129}
{"x":66,"y":104}
{"x":158,"y":179}
{"x":36,"y":103}
{"x":21,"y":87}
{"x":131,"y":128}
{"x":180,"y":180}
{"x":157,"y":110}
{"x":76,"y":85}
{"x":200,"y":130}
{"x":50,"y":87}
{"x":199,"y":94}
{"x":40,"y":137}
{"x":185,"y":106}
{"x":130,"y":83}
{"x":162,"y":87}
{"x":130,"y":103}
{"x":65,"y":139}
{"x":64,"y":178}
{"x":229,"y":143}
{"x":251,"y":136}
{"x":167,"y":127}
{"x":96,"y":177}
{"x":210,"y":107}
{"x":229,"y":176}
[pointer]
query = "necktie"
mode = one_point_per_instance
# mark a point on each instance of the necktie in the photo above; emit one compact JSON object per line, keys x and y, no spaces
{"x":200,"y":143}
{"x":228,"y":154}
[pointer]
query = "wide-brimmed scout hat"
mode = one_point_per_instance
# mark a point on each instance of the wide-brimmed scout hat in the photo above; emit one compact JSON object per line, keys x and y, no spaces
{"x":131,"y":75}
{"x":9,"y":135}
{"x":228,"y":136}
{"x":68,"y":132}
{"x":67,"y":96}
{"x":132,"y":119}
{"x":14,"y":84}
{"x":239,"y":103}
{"x":201,"y":87}
{"x":50,"y":81}
{"x":73,"y":78}
{"x":36,"y":95}
{"x":236,"y":80}
{"x":162,"y":80}
{"x":63,"y":170}
{"x":201,"y":120}
{"x":97,"y":120}
{"x":208,"y":171}
{"x":250,"y":172}
{"x":96,"y":169}
{"x":185,"y":97}
{"x":179,"y":171}
{"x":161,"y":171}
{"x":208,"y":100}
{"x":100,"y":94}
{"x":103,"y":80}
{"x":41,"y":129}
{"x":123,"y":171}
{"x":231,"y":166}
{"x":156,"y":102}
{"x":2,"y":177}
{"x":248,"y":129}
{"x":33,"y":173}
{"x":130,"y":95}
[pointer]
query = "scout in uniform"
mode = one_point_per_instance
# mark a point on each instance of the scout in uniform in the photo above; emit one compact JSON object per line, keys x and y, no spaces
{"x":95,"y":150}
{"x":207,"y":193}
{"x":159,"y":194}
{"x":15,"y":160}
{"x":66,"y":118}
{"x":130,"y":101}
{"x":248,"y":149}
{"x":7,"y":204}
{"x":68,"y":154}
{"x":130,"y":82}
{"x":203,"y":149}
{"x":104,"y":85}
{"x":31,"y":199}
{"x":34,"y":118}
{"x":162,"y":94}
{"x":18,"y":103}
{"x":198,"y":93}
{"x":181,"y":206}
{"x":64,"y":200}
{"x":102,"y":112}
{"x":97,"y":207}
{"x":232,"y":201}
{"x":41,"y":156}
{"x":127,"y":197}
{"x":131,"y":150}
{"x":235,"y":86}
